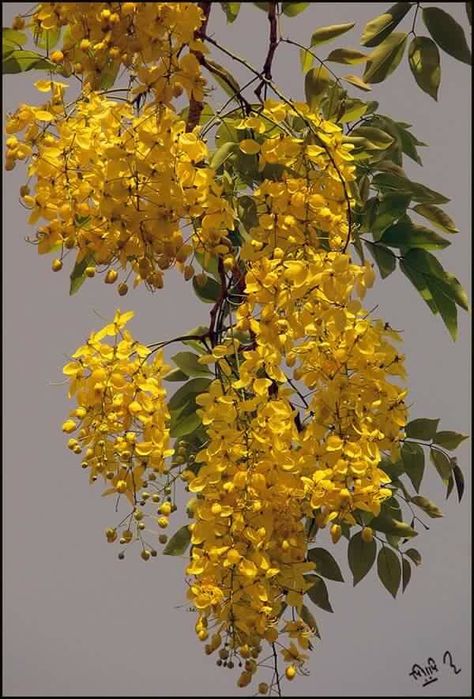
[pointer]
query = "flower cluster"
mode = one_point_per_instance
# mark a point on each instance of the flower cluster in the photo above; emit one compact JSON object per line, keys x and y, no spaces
{"x":121,"y":420}
{"x":283,"y":450}
{"x":307,"y":205}
{"x":124,"y":191}
{"x":152,"y":39}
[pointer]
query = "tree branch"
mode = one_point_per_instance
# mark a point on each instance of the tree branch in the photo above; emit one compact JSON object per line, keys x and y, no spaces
{"x":196,"y":106}
{"x":273,"y":43}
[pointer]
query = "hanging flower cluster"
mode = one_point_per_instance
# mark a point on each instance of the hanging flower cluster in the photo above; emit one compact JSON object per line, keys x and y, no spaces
{"x":154,"y":40}
{"x":121,"y":421}
{"x":289,"y":433}
{"x":271,"y":462}
{"x":125,"y":191}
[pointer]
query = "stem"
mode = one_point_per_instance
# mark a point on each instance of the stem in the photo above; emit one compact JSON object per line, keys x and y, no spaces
{"x":273,"y":43}
{"x":275,"y":660}
{"x":196,"y":106}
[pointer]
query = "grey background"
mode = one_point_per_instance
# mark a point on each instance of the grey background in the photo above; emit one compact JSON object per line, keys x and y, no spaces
{"x":80,"y":622}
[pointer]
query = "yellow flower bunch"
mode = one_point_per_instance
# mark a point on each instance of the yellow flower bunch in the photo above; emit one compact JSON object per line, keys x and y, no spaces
{"x":121,"y":419}
{"x":248,"y":558}
{"x":152,"y":39}
{"x":123,"y":190}
{"x":307,"y":205}
{"x":284,"y":450}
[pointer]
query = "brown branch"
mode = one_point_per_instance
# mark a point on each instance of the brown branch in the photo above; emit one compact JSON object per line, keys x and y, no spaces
{"x":273,"y":43}
{"x":196,"y":106}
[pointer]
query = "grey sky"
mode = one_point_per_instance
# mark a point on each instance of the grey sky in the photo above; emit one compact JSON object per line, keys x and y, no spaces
{"x":78,"y":622}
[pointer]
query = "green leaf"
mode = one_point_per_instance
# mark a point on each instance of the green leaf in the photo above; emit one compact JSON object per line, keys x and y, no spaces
{"x":450,"y":486}
{"x":325,"y":34}
{"x":190,"y":389}
{"x":318,"y":593}
{"x":427,"y":264}
{"x":78,"y":275}
{"x":47,"y":38}
{"x":306,"y":60}
{"x":188,"y":363}
{"x":380,"y":27}
{"x":445,"y":305}
{"x":431,"y":509}
{"x":347,"y":56}
{"x":392,"y":207}
{"x":419,"y":282}
{"x":315,"y":83}
{"x":459,"y":478}
{"x":222,"y":154}
{"x":414,"y":556}
{"x":384,"y":258}
{"x":378,"y":138}
{"x":309,"y":619}
{"x":397,"y":183}
{"x":423,"y":58}
{"x":325,"y":564}
{"x":437,"y":216}
{"x":247,"y":210}
{"x":179,"y":542}
{"x":361,"y":556}
{"x":422,"y":428}
{"x":231,"y":10}
{"x":351,"y":110}
{"x":448,"y":34}
{"x":406,"y":573}
{"x":384,"y":523}
{"x":223,"y":78}
{"x":448,"y":439}
{"x":291,"y":9}
{"x":442,"y":463}
{"x":183,"y":424}
{"x":384,"y":59}
{"x":20,"y":61}
{"x":12,"y":36}
{"x":389,"y":570}
{"x":208,"y":292}
{"x":413,"y":459}
{"x":175,"y":375}
{"x":108,"y":74}
{"x":357,"y":82}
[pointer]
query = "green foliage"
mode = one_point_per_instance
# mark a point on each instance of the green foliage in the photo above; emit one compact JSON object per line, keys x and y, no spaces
{"x":414,"y":463}
{"x":361,"y":556}
{"x":406,"y":573}
{"x":19,"y":61}
{"x":188,"y":363}
{"x":385,"y":58}
{"x":231,"y":10}
{"x":318,"y":592}
{"x":424,"y":61}
{"x":325,"y":564}
{"x":389,"y":570}
{"x":78,"y":274}
{"x":379,"y":28}
{"x":448,"y":34}
{"x":449,"y":439}
{"x":291,"y":9}
{"x":422,"y":428}
{"x":178,"y":543}
{"x":324,"y":34}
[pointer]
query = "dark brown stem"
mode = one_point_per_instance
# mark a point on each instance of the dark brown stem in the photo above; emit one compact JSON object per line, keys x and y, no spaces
{"x":196,"y":106}
{"x":217,"y":306}
{"x":273,"y":43}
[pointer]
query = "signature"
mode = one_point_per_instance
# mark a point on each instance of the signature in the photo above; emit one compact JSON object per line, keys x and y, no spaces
{"x":427,"y":671}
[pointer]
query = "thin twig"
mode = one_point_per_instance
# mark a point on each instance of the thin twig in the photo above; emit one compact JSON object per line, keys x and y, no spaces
{"x":273,"y":43}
